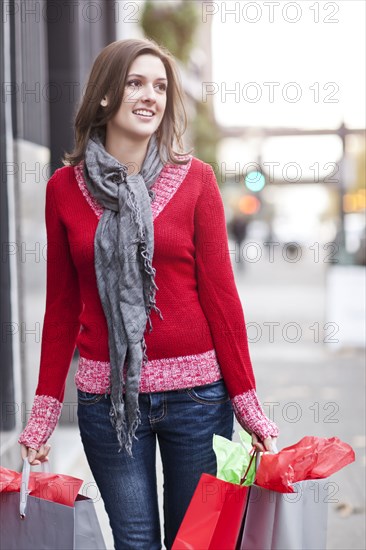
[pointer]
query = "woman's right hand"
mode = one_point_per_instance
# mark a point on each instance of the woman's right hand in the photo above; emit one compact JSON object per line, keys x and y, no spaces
{"x":268,"y":444}
{"x":35,"y":457}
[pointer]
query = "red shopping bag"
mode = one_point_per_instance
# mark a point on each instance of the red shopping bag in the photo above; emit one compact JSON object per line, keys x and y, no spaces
{"x":310,"y":458}
{"x":214,"y":516}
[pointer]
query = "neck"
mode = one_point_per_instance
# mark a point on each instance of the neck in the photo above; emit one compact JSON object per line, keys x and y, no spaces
{"x":127,"y":151}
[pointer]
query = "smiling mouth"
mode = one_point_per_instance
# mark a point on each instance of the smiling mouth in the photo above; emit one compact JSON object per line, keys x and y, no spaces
{"x":143,"y":113}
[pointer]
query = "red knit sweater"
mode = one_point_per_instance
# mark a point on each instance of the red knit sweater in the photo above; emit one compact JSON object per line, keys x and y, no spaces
{"x":202,"y":336}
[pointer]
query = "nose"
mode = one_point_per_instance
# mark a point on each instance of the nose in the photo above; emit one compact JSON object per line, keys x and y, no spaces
{"x":148,"y":93}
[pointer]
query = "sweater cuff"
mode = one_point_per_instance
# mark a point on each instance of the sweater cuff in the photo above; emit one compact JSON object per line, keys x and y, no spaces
{"x":44,"y":416}
{"x":251,"y":417}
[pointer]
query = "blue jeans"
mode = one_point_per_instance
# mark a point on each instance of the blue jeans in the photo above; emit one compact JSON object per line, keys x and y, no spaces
{"x":183,"y":422}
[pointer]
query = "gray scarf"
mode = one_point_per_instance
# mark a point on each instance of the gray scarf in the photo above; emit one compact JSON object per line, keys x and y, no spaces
{"x":124,"y":248}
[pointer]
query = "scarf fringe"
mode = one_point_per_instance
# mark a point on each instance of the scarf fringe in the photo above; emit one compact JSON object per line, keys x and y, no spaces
{"x":125,"y":432}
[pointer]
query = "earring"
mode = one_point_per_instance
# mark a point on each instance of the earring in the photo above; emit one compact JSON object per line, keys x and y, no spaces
{"x":104,"y":102}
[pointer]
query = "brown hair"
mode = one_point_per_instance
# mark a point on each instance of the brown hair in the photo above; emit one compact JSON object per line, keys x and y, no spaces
{"x":108,"y":76}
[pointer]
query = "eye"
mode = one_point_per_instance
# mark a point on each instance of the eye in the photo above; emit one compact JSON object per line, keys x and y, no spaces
{"x":162,"y":87}
{"x":134,"y":83}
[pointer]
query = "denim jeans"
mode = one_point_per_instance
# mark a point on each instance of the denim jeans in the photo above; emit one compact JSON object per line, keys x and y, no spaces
{"x":183,"y":422}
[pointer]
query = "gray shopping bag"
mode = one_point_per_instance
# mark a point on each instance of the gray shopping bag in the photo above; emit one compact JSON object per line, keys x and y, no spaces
{"x":286,"y":521}
{"x":49,"y":525}
{"x":32,"y":523}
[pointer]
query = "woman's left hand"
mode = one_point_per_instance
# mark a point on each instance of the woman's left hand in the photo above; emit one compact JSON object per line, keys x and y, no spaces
{"x":265,"y":445}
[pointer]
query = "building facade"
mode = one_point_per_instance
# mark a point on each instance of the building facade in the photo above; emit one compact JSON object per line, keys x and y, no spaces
{"x":47,"y":49}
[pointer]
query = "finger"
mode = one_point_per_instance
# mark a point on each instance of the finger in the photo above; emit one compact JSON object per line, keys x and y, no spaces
{"x":269,"y":443}
{"x":32,"y":454}
{"x":42,"y":453}
{"x":45,"y":450}
{"x":257,"y":444}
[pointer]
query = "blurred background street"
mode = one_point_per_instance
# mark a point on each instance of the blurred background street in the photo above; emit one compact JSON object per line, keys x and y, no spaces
{"x":281,"y":119}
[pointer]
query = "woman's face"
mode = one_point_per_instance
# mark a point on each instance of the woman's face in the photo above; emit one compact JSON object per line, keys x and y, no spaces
{"x":144,"y":100}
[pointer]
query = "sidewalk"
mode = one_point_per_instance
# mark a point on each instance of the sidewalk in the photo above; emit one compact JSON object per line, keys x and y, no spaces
{"x":305,"y":386}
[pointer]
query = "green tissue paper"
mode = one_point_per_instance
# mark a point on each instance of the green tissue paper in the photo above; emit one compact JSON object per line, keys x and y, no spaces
{"x":233,"y":459}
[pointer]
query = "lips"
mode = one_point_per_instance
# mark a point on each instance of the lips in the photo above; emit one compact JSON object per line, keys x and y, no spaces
{"x":144,"y":113}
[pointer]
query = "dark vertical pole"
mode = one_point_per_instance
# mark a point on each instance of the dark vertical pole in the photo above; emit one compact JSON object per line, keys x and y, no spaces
{"x":7,"y":422}
{"x":63,"y":76}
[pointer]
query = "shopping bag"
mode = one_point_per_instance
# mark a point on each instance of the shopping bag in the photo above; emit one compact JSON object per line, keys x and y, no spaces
{"x":39,"y":523}
{"x":214,"y":516}
{"x":277,"y":521}
{"x":274,"y":520}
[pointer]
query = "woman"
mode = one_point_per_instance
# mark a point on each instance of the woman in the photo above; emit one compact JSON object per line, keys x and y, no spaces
{"x":162,"y":358}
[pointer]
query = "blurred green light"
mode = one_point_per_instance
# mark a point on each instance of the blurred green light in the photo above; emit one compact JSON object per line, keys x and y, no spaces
{"x":255,"y":181}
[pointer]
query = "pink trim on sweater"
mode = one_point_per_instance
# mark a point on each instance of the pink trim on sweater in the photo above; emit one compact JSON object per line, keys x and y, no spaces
{"x":44,"y":416}
{"x":93,"y":203}
{"x":165,"y":186}
{"x":251,"y":417}
{"x":177,"y":373}
{"x":167,"y":374}
{"x":92,"y":376}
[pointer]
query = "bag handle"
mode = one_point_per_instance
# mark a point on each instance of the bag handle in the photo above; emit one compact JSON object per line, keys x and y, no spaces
{"x":24,"y":486}
{"x":249,"y":465}
{"x":257,"y":455}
